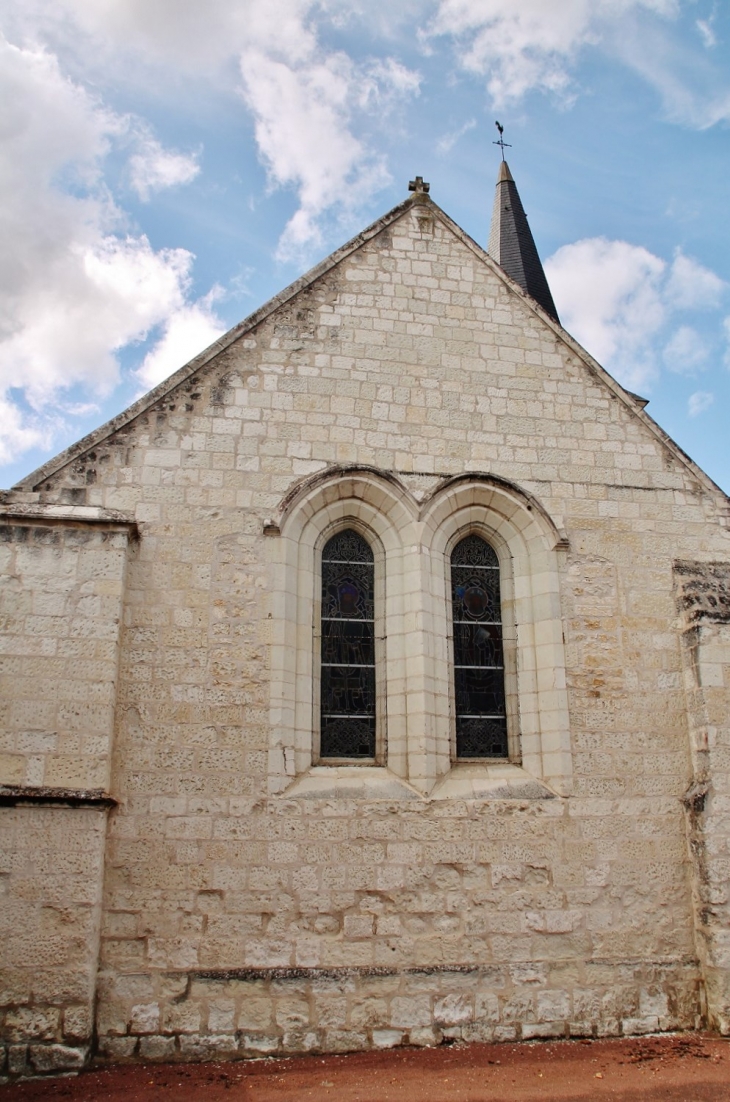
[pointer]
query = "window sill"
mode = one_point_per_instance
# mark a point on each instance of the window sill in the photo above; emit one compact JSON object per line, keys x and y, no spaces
{"x":499,"y":781}
{"x":350,"y":782}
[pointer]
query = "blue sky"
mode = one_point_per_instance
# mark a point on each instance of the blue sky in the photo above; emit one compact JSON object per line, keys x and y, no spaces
{"x":169,"y":165}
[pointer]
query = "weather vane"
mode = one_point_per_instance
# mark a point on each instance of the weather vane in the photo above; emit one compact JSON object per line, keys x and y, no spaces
{"x":501,"y":143}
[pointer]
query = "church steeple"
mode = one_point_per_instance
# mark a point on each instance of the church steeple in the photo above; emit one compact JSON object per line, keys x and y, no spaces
{"x":512,"y":245}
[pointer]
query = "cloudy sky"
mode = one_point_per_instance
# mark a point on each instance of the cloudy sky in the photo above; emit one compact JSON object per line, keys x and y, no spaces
{"x":168,"y":165}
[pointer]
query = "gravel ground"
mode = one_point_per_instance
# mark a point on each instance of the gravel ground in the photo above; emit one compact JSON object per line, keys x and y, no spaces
{"x":677,"y":1068}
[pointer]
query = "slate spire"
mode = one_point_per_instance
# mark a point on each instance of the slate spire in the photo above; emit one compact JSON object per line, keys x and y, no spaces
{"x":512,"y":245}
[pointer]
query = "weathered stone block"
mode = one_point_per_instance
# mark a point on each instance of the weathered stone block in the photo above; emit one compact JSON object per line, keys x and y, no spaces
{"x":117,"y":1048}
{"x":387,"y":1038}
{"x":157,"y":1048}
{"x":46,"y":1058}
{"x":18,"y":1060}
{"x":425,"y":1037}
{"x":221,"y":1015}
{"x":410,"y":1013}
{"x":292,"y":1013}
{"x":301,"y":1040}
{"x":210,"y":1047}
{"x":181,"y":1018}
{"x":32,"y":1024}
{"x":649,"y":1024}
{"x":331,"y":1013}
{"x":542,"y":1029}
{"x":260,"y":1043}
{"x":144,"y":1018}
{"x":486,"y":1007}
{"x":77,"y":1023}
{"x":344,"y":1040}
{"x":553,"y":1006}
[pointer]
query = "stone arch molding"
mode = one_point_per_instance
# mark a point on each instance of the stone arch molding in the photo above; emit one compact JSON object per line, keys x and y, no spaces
{"x":412,"y":543}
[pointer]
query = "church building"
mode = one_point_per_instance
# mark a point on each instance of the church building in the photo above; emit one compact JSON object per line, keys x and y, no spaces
{"x":367,"y":684}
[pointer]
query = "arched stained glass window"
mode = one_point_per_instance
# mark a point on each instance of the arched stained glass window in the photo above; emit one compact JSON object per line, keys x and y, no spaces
{"x":348,"y":648}
{"x":481,"y":719}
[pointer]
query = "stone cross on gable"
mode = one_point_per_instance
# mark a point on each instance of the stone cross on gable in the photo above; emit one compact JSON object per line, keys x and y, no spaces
{"x":418,"y":185}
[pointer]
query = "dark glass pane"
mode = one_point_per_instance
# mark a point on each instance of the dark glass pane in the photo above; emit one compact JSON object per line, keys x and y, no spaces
{"x":481,"y":738}
{"x":345,"y":737}
{"x":348,"y":690}
{"x":474,"y":551}
{"x":478,"y":645}
{"x":348,"y":648}
{"x":348,"y":641}
{"x":475,"y":593}
{"x":347,"y":591}
{"x":481,"y":727}
{"x":347,"y":546}
{"x":479,"y":692}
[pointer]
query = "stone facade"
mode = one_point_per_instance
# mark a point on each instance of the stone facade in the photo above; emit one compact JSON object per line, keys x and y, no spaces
{"x":179,"y":863}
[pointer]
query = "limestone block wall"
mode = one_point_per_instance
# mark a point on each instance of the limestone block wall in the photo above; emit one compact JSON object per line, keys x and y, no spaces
{"x":51,"y":868}
{"x":279,"y":1011}
{"x":62,"y":575}
{"x":61,"y":588}
{"x":358,"y":923}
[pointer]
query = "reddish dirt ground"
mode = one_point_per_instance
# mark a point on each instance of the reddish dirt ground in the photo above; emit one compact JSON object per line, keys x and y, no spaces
{"x":679,"y":1068}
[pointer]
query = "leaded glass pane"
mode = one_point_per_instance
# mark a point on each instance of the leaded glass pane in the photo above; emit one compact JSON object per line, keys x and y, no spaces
{"x":479,"y":692}
{"x":349,"y":690}
{"x":347,"y":737}
{"x":474,"y":551}
{"x":481,"y":738}
{"x":351,"y":642}
{"x":348,"y":648}
{"x":481,"y":723}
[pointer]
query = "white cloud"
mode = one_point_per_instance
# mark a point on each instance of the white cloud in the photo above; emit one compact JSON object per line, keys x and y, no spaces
{"x":685,"y":353}
{"x":691,"y":286}
{"x":446,"y":143}
{"x":303,"y":108}
{"x":187,"y":332}
{"x":97,"y":299}
{"x":694,"y":90}
{"x":708,"y":36}
{"x":307,"y":100}
{"x":618,"y":300}
{"x":380,"y":84}
{"x":304,"y":100}
{"x":530,"y":44}
{"x":608,"y":294}
{"x":153,"y":168}
{"x":114,"y":33}
{"x":74,"y":288}
{"x":302,"y":133}
{"x":20,"y":433}
{"x":699,"y":402}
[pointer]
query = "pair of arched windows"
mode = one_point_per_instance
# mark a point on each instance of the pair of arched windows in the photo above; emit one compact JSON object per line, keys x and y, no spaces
{"x":386,"y":641}
{"x":348,"y":670}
